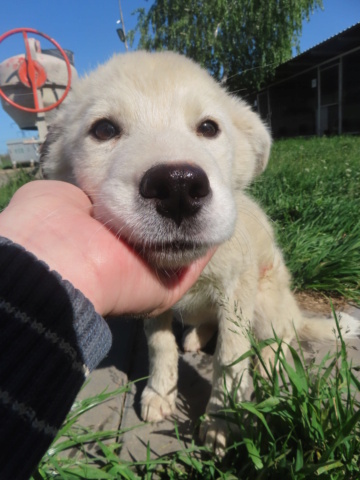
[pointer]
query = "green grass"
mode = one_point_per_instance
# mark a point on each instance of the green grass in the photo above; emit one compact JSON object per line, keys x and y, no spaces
{"x":15,"y":182}
{"x":311,"y":191}
{"x":104,"y":464}
{"x":5,"y":162}
{"x":304,"y":422}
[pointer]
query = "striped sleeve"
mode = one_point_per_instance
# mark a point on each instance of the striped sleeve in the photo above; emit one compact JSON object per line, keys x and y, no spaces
{"x":50,"y":339}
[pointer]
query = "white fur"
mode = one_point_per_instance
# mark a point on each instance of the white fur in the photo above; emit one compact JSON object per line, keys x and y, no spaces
{"x":158,"y":100}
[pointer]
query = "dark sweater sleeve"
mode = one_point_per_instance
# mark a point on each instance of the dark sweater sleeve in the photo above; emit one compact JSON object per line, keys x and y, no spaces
{"x":50,"y":339}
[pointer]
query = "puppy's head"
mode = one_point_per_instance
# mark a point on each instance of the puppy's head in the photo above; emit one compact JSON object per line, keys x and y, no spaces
{"x":160,"y":149}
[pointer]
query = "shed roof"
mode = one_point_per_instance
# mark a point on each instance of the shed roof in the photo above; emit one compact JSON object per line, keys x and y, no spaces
{"x":340,"y":43}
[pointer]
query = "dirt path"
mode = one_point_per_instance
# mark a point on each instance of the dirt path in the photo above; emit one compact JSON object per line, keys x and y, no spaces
{"x":318,"y":302}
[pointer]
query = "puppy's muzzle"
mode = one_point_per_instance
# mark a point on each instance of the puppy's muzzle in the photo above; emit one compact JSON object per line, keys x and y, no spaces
{"x":178,"y":191}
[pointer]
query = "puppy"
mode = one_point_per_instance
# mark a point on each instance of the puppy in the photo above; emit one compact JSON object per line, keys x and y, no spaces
{"x":166,"y":154}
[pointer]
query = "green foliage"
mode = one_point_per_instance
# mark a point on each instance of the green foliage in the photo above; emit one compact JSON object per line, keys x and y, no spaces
{"x":14,"y":182}
{"x":5,"y":161}
{"x":238,"y":41}
{"x":311,"y":190}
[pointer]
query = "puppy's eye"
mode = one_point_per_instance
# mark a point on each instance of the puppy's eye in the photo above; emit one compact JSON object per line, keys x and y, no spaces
{"x":208,"y":129}
{"x":104,"y":130}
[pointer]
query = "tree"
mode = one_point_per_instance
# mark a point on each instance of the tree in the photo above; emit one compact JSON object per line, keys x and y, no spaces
{"x":240,"y":42}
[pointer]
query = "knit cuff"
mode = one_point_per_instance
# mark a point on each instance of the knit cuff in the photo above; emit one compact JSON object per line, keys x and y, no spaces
{"x":50,"y":338}
{"x":51,"y":306}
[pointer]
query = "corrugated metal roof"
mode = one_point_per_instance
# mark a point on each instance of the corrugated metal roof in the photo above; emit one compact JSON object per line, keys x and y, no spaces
{"x":327,"y":39}
{"x":325,"y":51}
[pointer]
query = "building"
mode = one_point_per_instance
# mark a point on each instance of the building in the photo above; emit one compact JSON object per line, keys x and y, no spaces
{"x":24,"y":150}
{"x":316,"y":92}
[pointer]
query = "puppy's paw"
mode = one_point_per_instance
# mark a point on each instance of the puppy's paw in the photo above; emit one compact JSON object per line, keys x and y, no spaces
{"x":197,"y":338}
{"x":191,"y":341}
{"x":154,"y":407}
{"x":214,"y":433}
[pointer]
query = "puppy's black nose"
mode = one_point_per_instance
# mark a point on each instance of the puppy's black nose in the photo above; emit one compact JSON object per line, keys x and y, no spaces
{"x":178,"y":190}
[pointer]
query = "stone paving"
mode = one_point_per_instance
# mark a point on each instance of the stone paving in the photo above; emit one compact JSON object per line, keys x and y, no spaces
{"x":127,"y":361}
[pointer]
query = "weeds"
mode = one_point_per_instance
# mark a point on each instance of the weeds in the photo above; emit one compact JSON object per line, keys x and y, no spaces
{"x":302,"y":424}
{"x":104,"y":464}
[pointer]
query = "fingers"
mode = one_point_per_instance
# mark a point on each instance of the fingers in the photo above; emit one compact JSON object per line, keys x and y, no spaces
{"x":53,"y":220}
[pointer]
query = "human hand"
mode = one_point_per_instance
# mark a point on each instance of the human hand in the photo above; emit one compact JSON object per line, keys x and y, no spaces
{"x":53,"y":220}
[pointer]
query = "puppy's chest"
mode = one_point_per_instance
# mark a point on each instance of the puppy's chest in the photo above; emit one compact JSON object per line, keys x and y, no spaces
{"x":203,"y":296}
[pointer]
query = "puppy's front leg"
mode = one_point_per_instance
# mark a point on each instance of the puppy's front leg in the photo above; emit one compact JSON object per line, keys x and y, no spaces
{"x":158,"y":397}
{"x":232,"y":342}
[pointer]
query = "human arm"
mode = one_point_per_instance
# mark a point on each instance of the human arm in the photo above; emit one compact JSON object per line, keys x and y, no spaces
{"x":51,"y":333}
{"x":54,"y":222}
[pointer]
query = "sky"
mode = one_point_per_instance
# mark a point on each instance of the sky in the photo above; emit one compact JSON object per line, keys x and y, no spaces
{"x":88,"y":28}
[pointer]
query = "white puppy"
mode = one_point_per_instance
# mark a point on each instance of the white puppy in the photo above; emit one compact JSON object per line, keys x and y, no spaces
{"x":165,"y":154}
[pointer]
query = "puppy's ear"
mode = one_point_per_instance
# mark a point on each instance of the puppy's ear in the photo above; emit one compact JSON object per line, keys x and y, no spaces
{"x":260,"y":140}
{"x":257,"y":134}
{"x":54,"y":133}
{"x":55,"y":156}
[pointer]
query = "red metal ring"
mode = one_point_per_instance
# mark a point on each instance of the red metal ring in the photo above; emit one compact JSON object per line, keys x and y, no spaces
{"x":68,"y":66}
